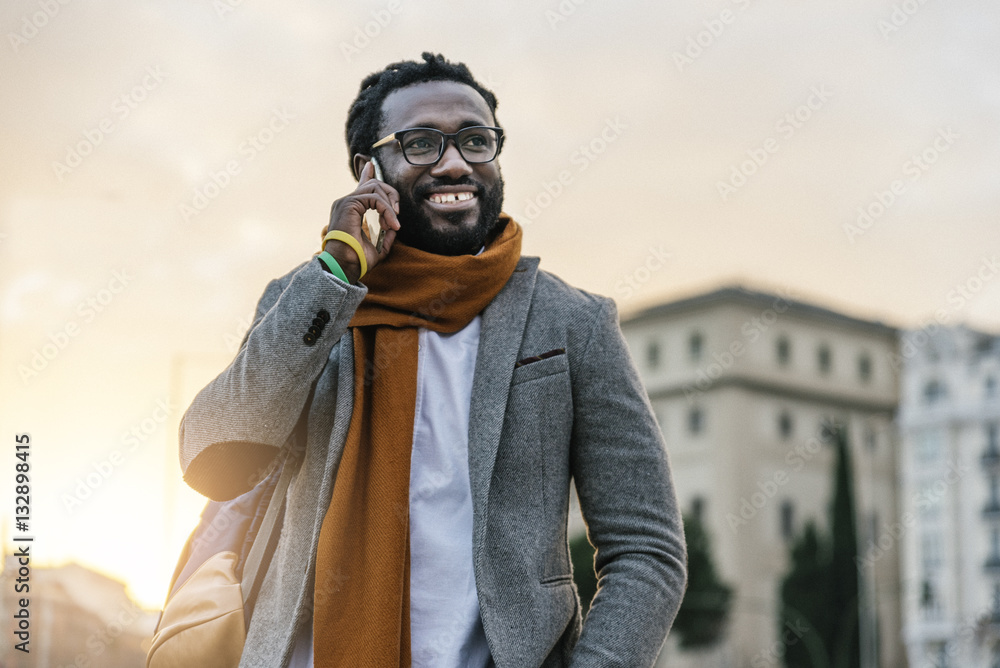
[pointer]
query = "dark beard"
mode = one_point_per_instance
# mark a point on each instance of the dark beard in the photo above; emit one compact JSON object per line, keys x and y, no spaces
{"x":416,"y":231}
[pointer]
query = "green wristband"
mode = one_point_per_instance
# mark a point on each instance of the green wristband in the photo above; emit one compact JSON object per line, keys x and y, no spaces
{"x":333,"y":266}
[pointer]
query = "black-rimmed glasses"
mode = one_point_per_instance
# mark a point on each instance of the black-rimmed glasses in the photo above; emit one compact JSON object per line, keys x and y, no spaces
{"x":425,"y":146}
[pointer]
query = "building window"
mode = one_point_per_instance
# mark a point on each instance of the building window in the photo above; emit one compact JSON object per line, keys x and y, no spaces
{"x":934,"y":392}
{"x":930,"y":552}
{"x":927,"y":598}
{"x":823,"y":359}
{"x":696,"y":421}
{"x":783,"y":349}
{"x":698,"y":508}
{"x":992,"y":437}
{"x":865,"y":368}
{"x":785,"y":425}
{"x":928,"y":446}
{"x":695,"y":345}
{"x":931,"y":501}
{"x":990,"y":386}
{"x":938,"y":654}
{"x":653,"y":355}
{"x":787,"y":520}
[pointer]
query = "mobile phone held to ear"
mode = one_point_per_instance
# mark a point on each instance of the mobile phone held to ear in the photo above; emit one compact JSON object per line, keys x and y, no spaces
{"x":375,"y":230}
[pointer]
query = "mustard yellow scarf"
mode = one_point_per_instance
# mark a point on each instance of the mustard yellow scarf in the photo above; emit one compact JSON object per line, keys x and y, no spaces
{"x":362,"y":592}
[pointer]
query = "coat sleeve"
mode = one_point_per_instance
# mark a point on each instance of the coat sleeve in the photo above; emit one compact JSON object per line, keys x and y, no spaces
{"x":622,"y":476}
{"x":236,"y":425}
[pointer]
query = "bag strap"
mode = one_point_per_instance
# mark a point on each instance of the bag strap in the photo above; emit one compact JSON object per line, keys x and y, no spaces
{"x":263,"y":544}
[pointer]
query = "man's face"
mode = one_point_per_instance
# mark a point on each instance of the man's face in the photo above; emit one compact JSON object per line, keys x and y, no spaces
{"x":427,"y":223}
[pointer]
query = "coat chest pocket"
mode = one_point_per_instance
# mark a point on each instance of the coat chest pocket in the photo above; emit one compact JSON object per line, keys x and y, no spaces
{"x":545,"y":367}
{"x":540,"y":404}
{"x":539,"y":417}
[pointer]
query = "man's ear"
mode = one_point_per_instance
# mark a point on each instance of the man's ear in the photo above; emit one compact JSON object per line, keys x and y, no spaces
{"x":360,"y":160}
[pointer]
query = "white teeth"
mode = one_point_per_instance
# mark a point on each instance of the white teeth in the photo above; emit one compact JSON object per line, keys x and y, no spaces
{"x":447,"y":198}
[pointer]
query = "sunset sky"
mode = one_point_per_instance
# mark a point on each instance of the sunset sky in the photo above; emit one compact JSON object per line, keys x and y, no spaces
{"x":848,"y":153}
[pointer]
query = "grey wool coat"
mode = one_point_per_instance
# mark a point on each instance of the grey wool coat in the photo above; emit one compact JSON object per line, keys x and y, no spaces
{"x":581,"y":413}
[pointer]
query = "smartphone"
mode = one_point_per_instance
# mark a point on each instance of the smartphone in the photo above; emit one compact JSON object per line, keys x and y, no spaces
{"x":375,"y":231}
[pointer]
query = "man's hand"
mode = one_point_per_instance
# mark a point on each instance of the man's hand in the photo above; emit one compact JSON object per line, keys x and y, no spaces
{"x":348,"y":215}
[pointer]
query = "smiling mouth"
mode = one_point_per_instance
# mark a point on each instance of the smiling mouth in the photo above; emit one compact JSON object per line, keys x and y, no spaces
{"x":450,"y":198}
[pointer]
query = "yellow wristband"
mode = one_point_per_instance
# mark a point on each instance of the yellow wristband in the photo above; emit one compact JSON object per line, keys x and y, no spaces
{"x":340,"y":235}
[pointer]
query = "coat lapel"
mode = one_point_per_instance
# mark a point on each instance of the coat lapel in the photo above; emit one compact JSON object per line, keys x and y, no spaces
{"x":499,"y":342}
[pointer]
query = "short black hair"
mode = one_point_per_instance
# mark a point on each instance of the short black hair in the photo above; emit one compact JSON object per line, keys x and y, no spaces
{"x":365,"y":115}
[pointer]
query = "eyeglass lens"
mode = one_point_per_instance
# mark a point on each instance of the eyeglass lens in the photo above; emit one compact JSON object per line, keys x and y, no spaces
{"x":424,"y":146}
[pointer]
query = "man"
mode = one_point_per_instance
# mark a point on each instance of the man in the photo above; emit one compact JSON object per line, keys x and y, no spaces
{"x":446,"y":391}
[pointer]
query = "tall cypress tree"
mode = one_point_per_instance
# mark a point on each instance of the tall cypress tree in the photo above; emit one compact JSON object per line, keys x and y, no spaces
{"x":702,"y":615}
{"x":819,"y":596}
{"x":806,"y":618}
{"x":845,"y":645}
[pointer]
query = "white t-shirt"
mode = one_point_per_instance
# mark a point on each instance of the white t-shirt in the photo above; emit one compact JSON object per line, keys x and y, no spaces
{"x":445,"y":625}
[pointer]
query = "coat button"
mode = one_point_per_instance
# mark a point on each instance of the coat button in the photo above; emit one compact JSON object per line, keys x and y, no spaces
{"x":323,"y":315}
{"x":315,"y":331}
{"x":309,"y":339}
{"x":319,"y":322}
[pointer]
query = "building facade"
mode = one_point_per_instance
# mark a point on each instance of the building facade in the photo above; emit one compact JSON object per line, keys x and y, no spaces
{"x":950,"y":497}
{"x":742,"y":383}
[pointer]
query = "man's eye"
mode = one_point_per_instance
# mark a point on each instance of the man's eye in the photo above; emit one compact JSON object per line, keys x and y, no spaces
{"x":419,"y":144}
{"x":476,"y":141}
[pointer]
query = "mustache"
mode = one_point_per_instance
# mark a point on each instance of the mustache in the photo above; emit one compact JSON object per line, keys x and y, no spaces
{"x":422,"y":191}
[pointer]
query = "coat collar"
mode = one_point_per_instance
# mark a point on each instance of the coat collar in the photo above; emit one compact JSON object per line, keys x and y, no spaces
{"x":500,"y":338}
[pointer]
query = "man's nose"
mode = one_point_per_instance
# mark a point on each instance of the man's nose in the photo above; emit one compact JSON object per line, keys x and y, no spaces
{"x":451,"y":164}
